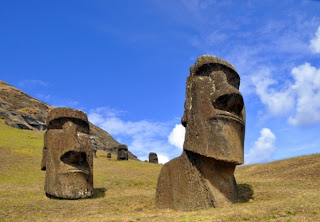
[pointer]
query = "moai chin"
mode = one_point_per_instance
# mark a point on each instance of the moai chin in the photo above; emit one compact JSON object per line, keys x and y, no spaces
{"x":153,"y":157}
{"x":67,"y":155}
{"x":122,"y":152}
{"x":214,"y":118}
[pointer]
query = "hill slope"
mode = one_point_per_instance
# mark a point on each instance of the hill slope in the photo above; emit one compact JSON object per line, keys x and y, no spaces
{"x":25,"y":112}
{"x":286,"y":190}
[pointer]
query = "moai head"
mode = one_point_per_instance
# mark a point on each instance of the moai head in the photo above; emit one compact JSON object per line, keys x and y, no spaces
{"x":123,"y":152}
{"x":214,"y":114}
{"x":67,"y":155}
{"x":109,"y":155}
{"x":153,"y":157}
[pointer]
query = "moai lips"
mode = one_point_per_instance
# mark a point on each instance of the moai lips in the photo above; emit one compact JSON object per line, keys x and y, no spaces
{"x":67,"y":155}
{"x":214,"y":118}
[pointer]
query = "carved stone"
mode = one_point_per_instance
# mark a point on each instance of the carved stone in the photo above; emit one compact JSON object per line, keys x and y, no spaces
{"x":109,"y":155}
{"x":67,"y":155}
{"x":122,"y":152}
{"x":153,"y":157}
{"x":214,"y":118}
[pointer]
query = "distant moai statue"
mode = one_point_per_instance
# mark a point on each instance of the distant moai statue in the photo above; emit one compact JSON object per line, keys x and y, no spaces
{"x":214,"y":118}
{"x":153,"y":157}
{"x":122,"y":152}
{"x":67,"y":155}
{"x":109,"y":155}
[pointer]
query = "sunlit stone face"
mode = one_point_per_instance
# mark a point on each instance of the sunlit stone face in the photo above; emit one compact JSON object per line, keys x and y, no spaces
{"x":123,"y":152}
{"x":67,"y":155}
{"x":153,"y":157}
{"x":214,"y":114}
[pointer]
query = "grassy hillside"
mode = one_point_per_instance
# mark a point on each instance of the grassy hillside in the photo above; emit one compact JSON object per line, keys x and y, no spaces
{"x":286,"y":190}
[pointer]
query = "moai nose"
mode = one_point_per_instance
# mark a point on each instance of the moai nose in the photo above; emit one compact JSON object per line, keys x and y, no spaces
{"x":71,"y":137}
{"x":74,"y":158}
{"x":232,"y":103}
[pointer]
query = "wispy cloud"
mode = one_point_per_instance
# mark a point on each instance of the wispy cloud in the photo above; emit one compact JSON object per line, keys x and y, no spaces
{"x":141,"y":136}
{"x":298,"y":97}
{"x":315,"y":42}
{"x":30,"y":83}
{"x":263,"y":148}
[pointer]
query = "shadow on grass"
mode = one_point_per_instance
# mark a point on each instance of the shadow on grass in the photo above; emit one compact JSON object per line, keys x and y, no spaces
{"x":99,"y":192}
{"x":245,"y":192}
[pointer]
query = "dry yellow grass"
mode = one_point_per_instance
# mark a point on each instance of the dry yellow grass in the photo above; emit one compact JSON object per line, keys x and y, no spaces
{"x":286,"y":190}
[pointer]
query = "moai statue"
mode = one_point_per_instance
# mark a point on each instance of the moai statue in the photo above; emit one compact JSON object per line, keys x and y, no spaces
{"x":214,"y":118}
{"x":123,"y":152}
{"x":67,"y":155}
{"x":153,"y":158}
{"x":109,"y":155}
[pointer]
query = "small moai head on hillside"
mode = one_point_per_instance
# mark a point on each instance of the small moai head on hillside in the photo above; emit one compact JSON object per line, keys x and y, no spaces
{"x":153,"y":157}
{"x":214,"y":112}
{"x":67,"y":155}
{"x":123,"y":152}
{"x":109,"y":155}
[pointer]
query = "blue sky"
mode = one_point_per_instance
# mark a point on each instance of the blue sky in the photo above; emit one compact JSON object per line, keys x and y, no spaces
{"x":125,"y":64}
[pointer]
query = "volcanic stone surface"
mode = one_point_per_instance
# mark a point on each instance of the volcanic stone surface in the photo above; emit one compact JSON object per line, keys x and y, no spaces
{"x":122,"y":152}
{"x":153,"y":157}
{"x":67,"y":155}
{"x":214,"y":118}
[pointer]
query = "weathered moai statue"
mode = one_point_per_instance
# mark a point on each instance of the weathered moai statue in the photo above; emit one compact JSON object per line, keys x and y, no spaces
{"x":67,"y":155}
{"x":214,"y":118}
{"x":122,"y":152}
{"x":153,"y":157}
{"x":108,"y":155}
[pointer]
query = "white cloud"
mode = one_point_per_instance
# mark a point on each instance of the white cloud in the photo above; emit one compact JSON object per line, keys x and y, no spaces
{"x":300,"y":98}
{"x":142,"y":137}
{"x":315,"y":42}
{"x":162,"y":158}
{"x":307,"y":89}
{"x":263,"y":148}
{"x":279,"y":102}
{"x":176,"y":137}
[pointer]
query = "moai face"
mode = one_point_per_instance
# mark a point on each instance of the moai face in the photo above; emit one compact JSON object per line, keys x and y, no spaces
{"x":67,"y":155}
{"x":214,"y":114}
{"x":153,"y":157}
{"x":123,"y":152}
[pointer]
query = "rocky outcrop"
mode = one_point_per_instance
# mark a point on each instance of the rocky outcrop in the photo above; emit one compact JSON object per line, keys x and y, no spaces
{"x":22,"y":111}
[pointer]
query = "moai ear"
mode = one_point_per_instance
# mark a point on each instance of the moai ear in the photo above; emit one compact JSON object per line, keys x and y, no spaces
{"x":187,"y":103}
{"x":44,"y":159}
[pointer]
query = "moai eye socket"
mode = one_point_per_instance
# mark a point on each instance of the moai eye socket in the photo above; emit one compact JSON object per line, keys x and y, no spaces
{"x":82,"y":126}
{"x":232,"y":77}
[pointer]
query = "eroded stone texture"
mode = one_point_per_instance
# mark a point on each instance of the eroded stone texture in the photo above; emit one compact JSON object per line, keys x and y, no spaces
{"x":109,"y":155}
{"x":214,"y":118}
{"x":153,"y":157}
{"x":122,"y":152}
{"x":67,"y":155}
